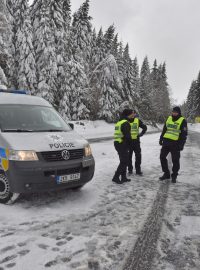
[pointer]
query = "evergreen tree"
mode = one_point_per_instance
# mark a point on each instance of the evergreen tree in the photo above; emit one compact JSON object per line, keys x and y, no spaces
{"x":109,"y":39}
{"x":109,"y":87}
{"x":115,"y":47}
{"x":25,"y":69}
{"x":4,"y":37}
{"x":196,"y":100}
{"x":145,"y":105}
{"x":3,"y":80}
{"x":128,"y":81}
{"x":81,"y":35}
{"x":75,"y":94}
{"x":119,"y":60}
{"x":191,"y":103}
{"x":45,"y":49}
{"x":159,"y":92}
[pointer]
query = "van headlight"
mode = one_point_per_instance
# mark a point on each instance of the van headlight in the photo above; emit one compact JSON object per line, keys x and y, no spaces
{"x":22,"y":155}
{"x":88,"y":151}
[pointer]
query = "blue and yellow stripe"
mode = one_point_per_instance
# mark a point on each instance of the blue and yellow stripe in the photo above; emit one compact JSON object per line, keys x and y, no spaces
{"x":4,"y":162}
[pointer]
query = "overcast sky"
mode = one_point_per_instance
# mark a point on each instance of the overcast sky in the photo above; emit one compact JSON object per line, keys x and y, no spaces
{"x":168,"y":30}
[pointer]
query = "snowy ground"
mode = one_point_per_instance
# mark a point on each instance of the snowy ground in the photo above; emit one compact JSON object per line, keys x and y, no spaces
{"x":97,"y":227}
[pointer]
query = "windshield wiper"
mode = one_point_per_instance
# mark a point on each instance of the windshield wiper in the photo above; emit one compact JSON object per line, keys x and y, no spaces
{"x":50,"y":130}
{"x":17,"y":130}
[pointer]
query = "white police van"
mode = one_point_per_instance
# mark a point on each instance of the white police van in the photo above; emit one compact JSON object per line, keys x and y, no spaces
{"x":39,"y":151}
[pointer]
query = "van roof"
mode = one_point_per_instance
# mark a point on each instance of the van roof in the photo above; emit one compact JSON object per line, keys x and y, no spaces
{"x":9,"y":98}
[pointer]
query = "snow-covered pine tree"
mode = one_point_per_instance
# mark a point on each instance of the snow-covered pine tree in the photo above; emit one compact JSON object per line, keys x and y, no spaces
{"x":108,"y":39}
{"x":115,"y":47}
{"x":197,"y":97}
{"x":67,"y":28}
{"x":97,"y":55}
{"x":128,"y":93}
{"x":164,"y":92}
{"x":119,"y":60}
{"x":134,"y":83}
{"x":109,"y":86}
{"x":81,"y":36}
{"x":75,"y":94}
{"x":59,"y":30}
{"x":4,"y":37}
{"x":24,"y":56}
{"x":67,"y":14}
{"x":190,"y":104}
{"x":3,"y":80}
{"x":45,"y":50}
{"x":145,"y":106}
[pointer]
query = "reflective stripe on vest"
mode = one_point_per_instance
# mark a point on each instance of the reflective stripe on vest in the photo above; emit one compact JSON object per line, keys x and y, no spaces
{"x":134,"y":129}
{"x":118,"y":135}
{"x":173,"y":128}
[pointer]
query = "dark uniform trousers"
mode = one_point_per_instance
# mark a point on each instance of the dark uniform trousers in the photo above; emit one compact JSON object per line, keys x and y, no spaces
{"x":122,"y":150}
{"x":135,"y":147}
{"x":175,"y":153}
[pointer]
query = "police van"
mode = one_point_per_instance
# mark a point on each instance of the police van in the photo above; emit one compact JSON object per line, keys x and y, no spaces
{"x":39,"y":151}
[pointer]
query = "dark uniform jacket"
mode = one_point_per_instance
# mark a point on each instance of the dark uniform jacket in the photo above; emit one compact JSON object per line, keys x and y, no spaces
{"x":182,"y":137}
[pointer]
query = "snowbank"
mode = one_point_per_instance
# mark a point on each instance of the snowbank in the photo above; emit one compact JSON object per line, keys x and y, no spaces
{"x":98,"y":129}
{"x":194,"y":127}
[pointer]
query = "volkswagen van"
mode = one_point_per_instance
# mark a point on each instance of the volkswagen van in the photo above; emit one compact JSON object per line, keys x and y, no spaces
{"x":39,"y":151}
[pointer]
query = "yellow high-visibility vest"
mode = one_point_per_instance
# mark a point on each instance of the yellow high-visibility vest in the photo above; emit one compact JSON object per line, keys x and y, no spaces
{"x":173,"y":128}
{"x":134,"y":129}
{"x":118,"y":135}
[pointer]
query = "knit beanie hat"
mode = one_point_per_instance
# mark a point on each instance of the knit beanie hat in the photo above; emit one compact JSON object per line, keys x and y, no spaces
{"x":127,"y":112}
{"x":177,"y":109}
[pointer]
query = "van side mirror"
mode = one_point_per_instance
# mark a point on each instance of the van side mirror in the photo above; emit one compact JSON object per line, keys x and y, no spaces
{"x":71,"y":125}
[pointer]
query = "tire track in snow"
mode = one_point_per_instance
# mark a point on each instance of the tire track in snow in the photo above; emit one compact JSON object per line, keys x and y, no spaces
{"x":142,"y":254}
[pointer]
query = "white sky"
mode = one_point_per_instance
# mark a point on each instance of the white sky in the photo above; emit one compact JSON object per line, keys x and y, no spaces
{"x":167,"y":30}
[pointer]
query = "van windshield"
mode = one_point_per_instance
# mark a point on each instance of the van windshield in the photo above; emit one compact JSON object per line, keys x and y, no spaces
{"x":30,"y":118}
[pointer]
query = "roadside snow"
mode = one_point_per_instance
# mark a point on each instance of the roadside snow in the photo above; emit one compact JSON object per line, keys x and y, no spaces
{"x":194,"y":127}
{"x":98,"y":129}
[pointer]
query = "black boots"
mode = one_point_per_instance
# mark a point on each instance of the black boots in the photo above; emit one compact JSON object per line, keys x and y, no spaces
{"x":139,"y":172}
{"x":116,"y":178}
{"x":165,"y":176}
{"x":173,"y":178}
{"x":125,"y":179}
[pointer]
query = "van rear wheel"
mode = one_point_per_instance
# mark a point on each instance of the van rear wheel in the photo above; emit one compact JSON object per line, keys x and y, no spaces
{"x":6,"y":196}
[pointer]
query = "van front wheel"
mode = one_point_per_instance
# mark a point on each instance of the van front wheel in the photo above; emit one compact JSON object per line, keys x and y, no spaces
{"x":6,"y":196}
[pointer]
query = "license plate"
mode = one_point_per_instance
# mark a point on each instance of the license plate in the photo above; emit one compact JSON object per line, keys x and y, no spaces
{"x":67,"y":178}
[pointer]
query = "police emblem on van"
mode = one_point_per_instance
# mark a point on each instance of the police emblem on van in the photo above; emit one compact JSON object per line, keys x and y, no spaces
{"x":65,"y":154}
{"x":55,"y":137}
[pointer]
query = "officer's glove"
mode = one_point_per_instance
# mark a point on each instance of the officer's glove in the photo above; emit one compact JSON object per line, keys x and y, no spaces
{"x":161,"y":142}
{"x":181,"y":147}
{"x":140,"y":135}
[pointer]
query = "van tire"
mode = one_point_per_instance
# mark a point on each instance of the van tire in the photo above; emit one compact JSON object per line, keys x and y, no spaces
{"x":6,"y":196}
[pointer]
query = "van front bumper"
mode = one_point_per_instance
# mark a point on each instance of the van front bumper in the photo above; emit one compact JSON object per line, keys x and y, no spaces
{"x":40,"y":176}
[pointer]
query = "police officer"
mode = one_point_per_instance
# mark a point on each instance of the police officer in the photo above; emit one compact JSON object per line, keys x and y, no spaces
{"x":173,"y":139}
{"x":136,"y":123}
{"x":122,"y":141}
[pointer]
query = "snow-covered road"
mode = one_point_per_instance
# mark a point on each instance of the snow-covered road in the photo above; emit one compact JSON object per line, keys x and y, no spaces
{"x":97,"y":227}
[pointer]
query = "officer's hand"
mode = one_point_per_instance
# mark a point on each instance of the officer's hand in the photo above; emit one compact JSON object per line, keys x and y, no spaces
{"x":140,"y":135}
{"x":181,"y":147}
{"x":161,"y":142}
